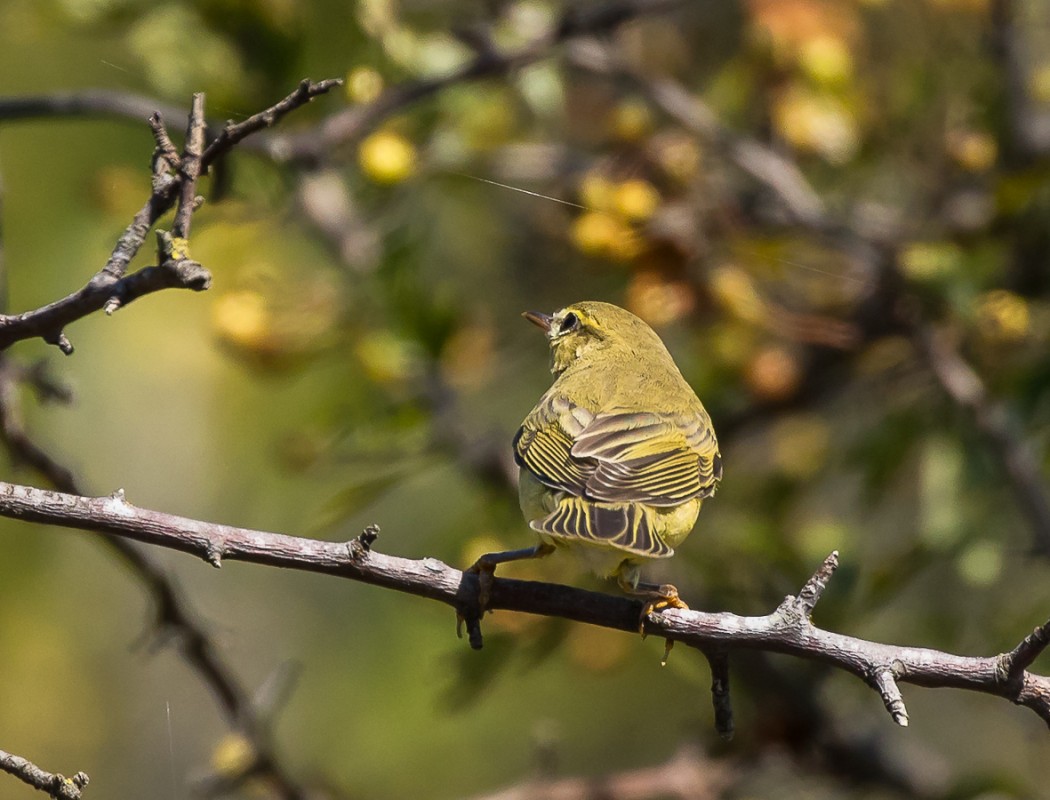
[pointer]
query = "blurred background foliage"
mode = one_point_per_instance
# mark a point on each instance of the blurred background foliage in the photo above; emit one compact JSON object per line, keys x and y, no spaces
{"x":360,"y":359}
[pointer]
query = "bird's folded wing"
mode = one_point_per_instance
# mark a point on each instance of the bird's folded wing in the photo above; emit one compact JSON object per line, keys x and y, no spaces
{"x":546,"y":451}
{"x":646,"y":457}
{"x":621,"y":456}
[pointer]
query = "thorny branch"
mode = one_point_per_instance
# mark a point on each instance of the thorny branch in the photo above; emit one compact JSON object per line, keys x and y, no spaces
{"x":111,"y":287}
{"x":787,"y":630}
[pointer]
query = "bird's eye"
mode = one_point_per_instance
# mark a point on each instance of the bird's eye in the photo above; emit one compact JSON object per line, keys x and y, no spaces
{"x":570,"y":323}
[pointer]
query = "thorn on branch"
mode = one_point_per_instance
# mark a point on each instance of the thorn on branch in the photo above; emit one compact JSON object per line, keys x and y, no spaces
{"x":668,"y":647}
{"x":215,"y":553}
{"x":724,"y":724}
{"x":61,"y":341}
{"x":363,"y":543}
{"x":815,"y":586}
{"x":799,"y":610}
{"x":1012,"y":665}
{"x":885,"y":682}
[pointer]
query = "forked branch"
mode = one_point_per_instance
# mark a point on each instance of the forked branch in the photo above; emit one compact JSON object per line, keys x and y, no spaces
{"x":174,"y":181}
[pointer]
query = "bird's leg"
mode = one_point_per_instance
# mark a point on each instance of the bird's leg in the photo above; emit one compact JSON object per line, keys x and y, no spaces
{"x":485,"y":567}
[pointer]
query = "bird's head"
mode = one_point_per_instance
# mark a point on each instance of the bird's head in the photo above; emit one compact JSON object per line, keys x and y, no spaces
{"x":593,"y":330}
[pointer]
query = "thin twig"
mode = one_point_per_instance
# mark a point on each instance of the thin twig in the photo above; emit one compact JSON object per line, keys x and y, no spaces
{"x":346,"y":126}
{"x":165,"y":147}
{"x":815,"y":586}
{"x":233,"y":133}
{"x":58,"y":786}
{"x":190,"y":169}
{"x":966,"y":389}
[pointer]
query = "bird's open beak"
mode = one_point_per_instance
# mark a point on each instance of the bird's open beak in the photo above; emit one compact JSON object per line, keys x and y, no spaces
{"x":539,"y":319}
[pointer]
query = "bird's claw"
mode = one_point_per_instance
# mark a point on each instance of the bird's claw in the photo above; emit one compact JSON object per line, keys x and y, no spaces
{"x":486,"y":572}
{"x":666,"y":596}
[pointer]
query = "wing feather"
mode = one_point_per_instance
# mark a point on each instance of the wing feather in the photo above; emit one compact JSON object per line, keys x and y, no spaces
{"x":625,"y":526}
{"x":611,"y":465}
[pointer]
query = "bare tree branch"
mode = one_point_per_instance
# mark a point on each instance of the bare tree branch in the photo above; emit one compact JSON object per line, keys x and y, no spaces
{"x":58,"y":786}
{"x":786,"y":630}
{"x":110,"y":287}
{"x":88,"y":102}
{"x":966,"y":389}
{"x":319,"y":143}
{"x":771,"y":169}
{"x":189,"y":166}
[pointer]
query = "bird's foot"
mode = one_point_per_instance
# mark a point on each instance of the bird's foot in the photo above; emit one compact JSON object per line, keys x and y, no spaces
{"x":664,"y":596}
{"x":486,"y":572}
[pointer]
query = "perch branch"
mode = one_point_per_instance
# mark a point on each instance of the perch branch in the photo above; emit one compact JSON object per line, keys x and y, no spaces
{"x":787,"y":630}
{"x":58,"y":786}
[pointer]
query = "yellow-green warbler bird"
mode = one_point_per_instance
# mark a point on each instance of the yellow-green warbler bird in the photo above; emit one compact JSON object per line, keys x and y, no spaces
{"x":619,"y":454}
